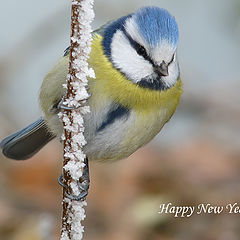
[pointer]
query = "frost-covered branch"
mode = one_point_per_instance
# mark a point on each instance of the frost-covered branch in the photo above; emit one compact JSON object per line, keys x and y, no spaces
{"x":73,"y":122}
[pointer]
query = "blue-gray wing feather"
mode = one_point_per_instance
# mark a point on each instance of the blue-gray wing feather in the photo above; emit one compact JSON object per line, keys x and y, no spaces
{"x":26,"y":142}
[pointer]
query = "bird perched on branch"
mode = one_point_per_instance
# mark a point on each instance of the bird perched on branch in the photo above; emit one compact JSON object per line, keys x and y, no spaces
{"x":136,"y":90}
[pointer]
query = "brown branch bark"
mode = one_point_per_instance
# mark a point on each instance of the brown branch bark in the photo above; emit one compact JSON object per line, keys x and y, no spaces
{"x":71,"y":207}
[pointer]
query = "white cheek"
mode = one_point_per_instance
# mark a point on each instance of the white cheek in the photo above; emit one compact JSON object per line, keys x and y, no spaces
{"x":173,"y":74}
{"x":127,"y":60}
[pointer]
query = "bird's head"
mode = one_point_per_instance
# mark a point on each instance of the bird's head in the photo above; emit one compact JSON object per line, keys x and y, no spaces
{"x":142,"y":46}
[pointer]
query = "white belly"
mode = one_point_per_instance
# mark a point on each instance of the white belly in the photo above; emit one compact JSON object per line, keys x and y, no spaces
{"x":125,"y":136}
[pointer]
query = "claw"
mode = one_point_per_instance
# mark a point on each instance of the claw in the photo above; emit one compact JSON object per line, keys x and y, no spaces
{"x":83,"y":184}
{"x":63,"y":106}
{"x":80,"y":197}
{"x":60,"y":181}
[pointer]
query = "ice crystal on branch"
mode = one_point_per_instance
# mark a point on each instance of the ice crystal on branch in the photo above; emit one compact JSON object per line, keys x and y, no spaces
{"x":73,"y":121}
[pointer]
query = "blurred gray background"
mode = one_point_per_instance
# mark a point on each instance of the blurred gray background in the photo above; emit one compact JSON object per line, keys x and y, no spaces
{"x":195,"y":157}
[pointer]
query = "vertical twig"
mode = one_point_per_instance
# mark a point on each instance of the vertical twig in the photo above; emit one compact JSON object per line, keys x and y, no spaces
{"x":73,"y":162}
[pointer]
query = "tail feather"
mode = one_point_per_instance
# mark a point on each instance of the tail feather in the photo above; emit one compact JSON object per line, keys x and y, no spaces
{"x":26,"y":142}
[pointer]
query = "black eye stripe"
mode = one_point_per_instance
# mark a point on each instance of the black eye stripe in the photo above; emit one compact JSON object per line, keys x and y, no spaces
{"x":139,"y":48}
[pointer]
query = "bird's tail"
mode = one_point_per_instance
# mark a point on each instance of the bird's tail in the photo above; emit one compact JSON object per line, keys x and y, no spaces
{"x":26,"y":142}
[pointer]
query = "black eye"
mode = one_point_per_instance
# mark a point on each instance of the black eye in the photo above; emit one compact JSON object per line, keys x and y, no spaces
{"x":141,"y":51}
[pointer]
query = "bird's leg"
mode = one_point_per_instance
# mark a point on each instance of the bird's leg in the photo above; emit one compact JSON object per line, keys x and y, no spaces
{"x":83,"y":184}
{"x":62,"y":106}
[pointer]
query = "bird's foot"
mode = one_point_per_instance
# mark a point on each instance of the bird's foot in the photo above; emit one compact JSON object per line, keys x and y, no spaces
{"x":63,"y":106}
{"x":83,"y":185}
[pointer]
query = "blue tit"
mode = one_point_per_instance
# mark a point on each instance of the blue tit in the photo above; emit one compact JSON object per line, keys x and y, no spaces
{"x":136,"y":90}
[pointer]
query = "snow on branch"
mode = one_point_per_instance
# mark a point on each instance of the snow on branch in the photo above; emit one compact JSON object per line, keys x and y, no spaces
{"x":73,"y":122}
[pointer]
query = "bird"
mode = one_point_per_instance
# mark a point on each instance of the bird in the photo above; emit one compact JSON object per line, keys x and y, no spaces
{"x":136,"y":90}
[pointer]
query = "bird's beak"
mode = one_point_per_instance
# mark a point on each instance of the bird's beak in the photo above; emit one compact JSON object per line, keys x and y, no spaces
{"x":162,"y":69}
